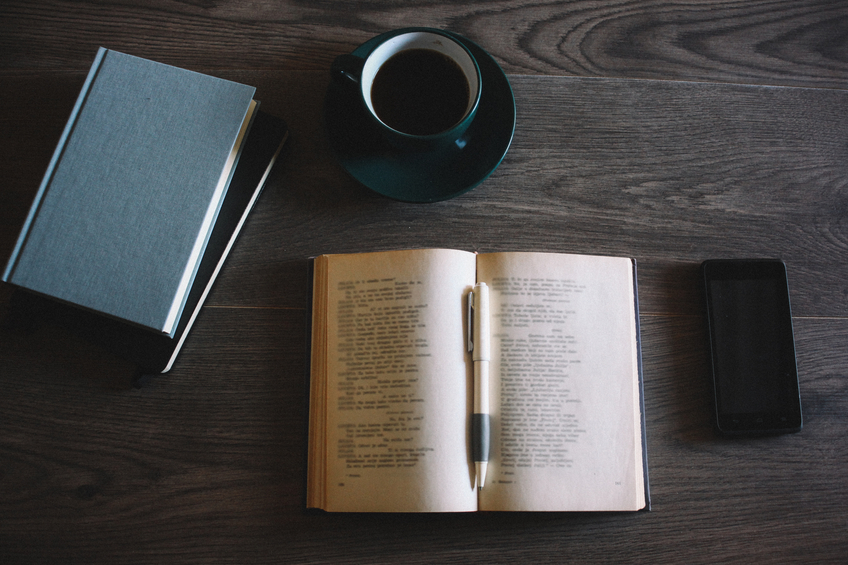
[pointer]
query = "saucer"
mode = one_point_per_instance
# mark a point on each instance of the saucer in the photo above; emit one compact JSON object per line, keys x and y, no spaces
{"x":415,"y":176}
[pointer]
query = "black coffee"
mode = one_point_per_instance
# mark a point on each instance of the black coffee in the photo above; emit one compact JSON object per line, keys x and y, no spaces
{"x":420,"y":92}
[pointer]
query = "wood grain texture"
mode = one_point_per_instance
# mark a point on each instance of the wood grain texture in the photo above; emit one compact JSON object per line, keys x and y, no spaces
{"x":667,"y":131}
{"x":211,"y":457}
{"x":779,"y":42}
{"x":670,"y":173}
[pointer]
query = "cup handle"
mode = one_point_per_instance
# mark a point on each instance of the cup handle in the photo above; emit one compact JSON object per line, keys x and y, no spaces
{"x":347,"y":69}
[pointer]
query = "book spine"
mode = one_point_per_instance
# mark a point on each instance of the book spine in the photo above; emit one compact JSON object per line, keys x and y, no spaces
{"x":51,"y":167}
{"x":225,"y":254}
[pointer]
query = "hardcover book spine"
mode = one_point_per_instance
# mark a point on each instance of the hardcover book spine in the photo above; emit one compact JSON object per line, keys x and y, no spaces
{"x":57,"y":155}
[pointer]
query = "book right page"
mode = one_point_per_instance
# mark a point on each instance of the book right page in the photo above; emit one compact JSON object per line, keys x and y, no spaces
{"x":565,"y":404}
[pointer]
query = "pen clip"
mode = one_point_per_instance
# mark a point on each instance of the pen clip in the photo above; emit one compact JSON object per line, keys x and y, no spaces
{"x":470,"y":321}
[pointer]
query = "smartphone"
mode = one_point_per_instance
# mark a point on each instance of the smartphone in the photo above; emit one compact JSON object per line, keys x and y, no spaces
{"x":752,"y":347}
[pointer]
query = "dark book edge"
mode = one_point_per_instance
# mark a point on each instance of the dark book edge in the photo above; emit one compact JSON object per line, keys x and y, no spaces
{"x":310,"y":274}
{"x":156,"y":352}
{"x":259,"y":153}
{"x":645,"y":478}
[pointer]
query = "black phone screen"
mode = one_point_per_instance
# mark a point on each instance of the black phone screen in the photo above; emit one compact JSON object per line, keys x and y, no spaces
{"x":752,"y":346}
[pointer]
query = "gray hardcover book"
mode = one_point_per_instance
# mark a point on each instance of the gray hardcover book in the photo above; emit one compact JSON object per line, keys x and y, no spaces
{"x":124,"y":212}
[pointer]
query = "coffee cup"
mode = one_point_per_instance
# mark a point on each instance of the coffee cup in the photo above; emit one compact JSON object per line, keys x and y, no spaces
{"x":419,"y":86}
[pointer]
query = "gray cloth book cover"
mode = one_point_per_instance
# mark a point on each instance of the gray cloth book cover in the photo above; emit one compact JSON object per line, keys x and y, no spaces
{"x":124,"y":212}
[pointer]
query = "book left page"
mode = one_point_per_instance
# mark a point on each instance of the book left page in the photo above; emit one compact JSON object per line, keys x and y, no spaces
{"x":390,"y":393}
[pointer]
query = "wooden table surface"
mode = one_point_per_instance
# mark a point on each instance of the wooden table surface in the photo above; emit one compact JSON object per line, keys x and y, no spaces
{"x":671,"y":132}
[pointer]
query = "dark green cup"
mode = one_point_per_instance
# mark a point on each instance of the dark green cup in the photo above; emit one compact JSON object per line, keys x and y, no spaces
{"x":420,"y":87}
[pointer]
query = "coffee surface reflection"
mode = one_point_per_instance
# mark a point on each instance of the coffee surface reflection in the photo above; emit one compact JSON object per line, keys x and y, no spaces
{"x":420,"y":92}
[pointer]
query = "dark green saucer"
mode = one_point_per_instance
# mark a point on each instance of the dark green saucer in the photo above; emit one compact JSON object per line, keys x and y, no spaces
{"x":423,"y":177}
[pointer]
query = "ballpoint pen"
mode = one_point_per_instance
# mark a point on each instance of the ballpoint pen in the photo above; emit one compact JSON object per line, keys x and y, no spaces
{"x":479,"y":345}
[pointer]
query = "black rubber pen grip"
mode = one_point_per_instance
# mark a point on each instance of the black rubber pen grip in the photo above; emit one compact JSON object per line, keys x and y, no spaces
{"x":480,"y":437}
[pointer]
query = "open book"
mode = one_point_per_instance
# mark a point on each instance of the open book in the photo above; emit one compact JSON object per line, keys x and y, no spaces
{"x":391,"y":384}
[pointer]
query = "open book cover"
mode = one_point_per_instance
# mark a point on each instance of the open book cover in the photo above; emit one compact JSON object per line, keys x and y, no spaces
{"x":391,"y":384}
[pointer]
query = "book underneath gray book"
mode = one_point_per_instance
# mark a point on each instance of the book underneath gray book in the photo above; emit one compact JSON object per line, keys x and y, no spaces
{"x":123,"y":215}
{"x":155,"y":352}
